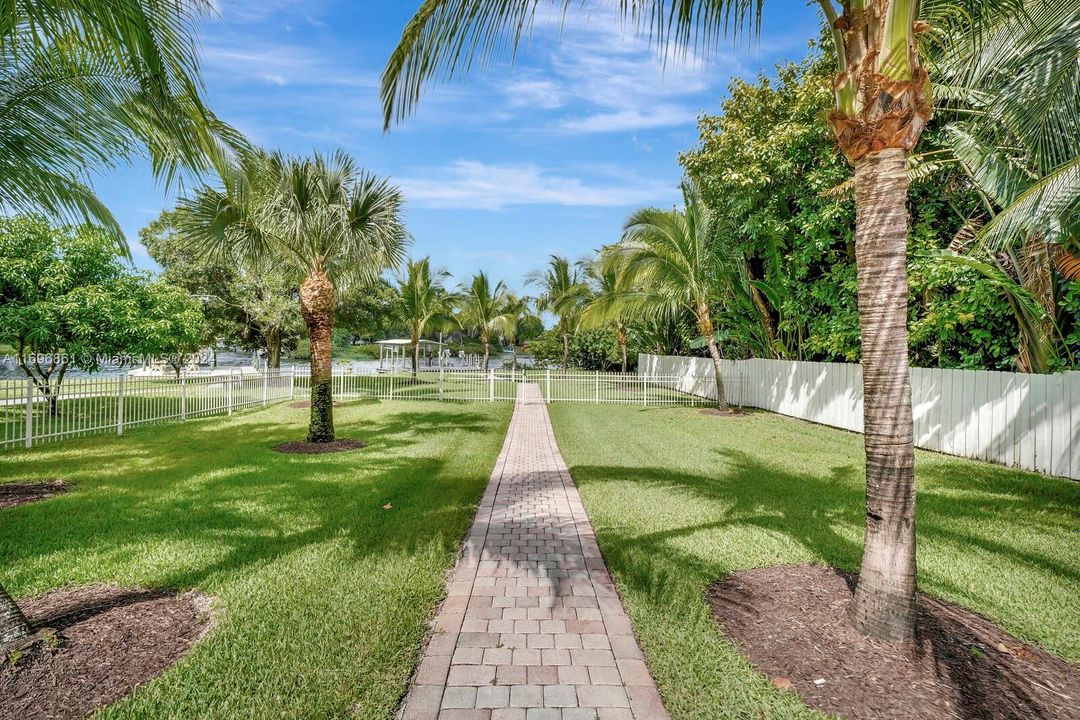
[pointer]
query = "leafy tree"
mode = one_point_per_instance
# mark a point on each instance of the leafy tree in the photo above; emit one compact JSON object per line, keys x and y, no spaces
{"x":319,"y":218}
{"x":88,"y":82}
{"x":483,"y":308}
{"x":367,"y":312}
{"x":423,"y":302}
{"x":243,"y":304}
{"x":562,"y":293}
{"x":68,"y":301}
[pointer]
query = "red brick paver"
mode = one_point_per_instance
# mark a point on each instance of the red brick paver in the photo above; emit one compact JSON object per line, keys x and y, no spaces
{"x":532,"y":628}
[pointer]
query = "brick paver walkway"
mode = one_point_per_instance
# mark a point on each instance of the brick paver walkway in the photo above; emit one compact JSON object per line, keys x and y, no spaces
{"x":532,"y":628}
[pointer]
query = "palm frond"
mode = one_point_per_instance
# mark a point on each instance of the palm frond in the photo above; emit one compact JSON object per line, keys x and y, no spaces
{"x":446,"y":38}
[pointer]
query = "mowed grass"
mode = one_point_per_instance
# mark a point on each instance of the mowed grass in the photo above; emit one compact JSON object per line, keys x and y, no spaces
{"x":680,"y":499}
{"x":322,"y":595}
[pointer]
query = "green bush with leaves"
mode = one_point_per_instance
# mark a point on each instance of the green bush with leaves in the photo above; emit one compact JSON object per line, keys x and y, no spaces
{"x":767,"y":164}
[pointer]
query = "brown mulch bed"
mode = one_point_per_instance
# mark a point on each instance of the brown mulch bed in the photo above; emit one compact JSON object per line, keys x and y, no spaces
{"x":303,"y":447}
{"x":791,"y":623}
{"x":102,"y":642}
{"x":731,"y":412}
{"x":306,"y":404}
{"x":12,"y":494}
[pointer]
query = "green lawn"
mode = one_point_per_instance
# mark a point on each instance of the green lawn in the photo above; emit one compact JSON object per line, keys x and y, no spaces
{"x":323,"y":596}
{"x":680,"y":499}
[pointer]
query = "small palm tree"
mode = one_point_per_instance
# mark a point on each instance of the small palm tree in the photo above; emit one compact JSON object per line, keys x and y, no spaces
{"x":423,"y":302}
{"x":562,"y":293}
{"x":609,"y":288}
{"x":675,"y":260}
{"x":320,"y":219}
{"x":518,"y":311}
{"x":483,"y":308}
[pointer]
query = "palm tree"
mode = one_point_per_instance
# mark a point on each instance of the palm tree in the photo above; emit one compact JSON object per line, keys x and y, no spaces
{"x":483,"y":308}
{"x":609,"y":287}
{"x":320,"y":219}
{"x":673,"y":259}
{"x":882,"y":102}
{"x":423,"y":302}
{"x":1018,"y":94}
{"x":85,"y":83}
{"x":563,"y":294}
{"x":82,"y":83}
{"x":517,"y":310}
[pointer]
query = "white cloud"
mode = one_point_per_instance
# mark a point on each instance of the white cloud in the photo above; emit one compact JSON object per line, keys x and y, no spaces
{"x":631,"y":119}
{"x":278,"y":64}
{"x":476,"y":185}
{"x":534,"y":93}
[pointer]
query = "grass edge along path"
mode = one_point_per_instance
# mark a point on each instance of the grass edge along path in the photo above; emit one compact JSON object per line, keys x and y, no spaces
{"x":323,"y":596}
{"x":679,"y":499}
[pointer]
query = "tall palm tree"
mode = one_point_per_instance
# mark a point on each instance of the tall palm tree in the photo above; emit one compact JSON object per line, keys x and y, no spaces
{"x":320,"y":219}
{"x":562,"y":293}
{"x":83,"y":83}
{"x":673,"y":259}
{"x":882,"y":103}
{"x":483,"y":308}
{"x":88,"y":82}
{"x":423,"y":302}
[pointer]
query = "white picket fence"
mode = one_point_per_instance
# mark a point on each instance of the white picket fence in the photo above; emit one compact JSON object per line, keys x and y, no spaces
{"x":93,"y":405}
{"x":1015,"y":419}
{"x":467,"y":384}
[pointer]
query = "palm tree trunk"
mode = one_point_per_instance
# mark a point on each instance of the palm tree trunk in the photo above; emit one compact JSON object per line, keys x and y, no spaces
{"x":718,"y":368}
{"x":13,"y":624}
{"x":487,"y":351}
{"x":565,"y":348}
{"x":415,"y":356}
{"x":622,"y":347}
{"x":705,"y":327}
{"x":317,"y":309}
{"x":273,"y":349}
{"x":884,"y":601}
{"x":766,"y":318}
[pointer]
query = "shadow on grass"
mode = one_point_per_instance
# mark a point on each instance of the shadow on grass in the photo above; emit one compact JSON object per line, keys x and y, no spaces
{"x":218,"y":485}
{"x":808,"y":509}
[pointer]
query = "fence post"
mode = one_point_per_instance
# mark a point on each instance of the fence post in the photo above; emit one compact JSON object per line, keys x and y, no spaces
{"x":120,"y":408}
{"x":547,"y":384}
{"x":183,"y":397}
{"x":597,"y":387}
{"x":292,"y":382}
{"x":228,"y":393}
{"x":266,"y":379}
{"x":645,"y":390}
{"x":491,"y":385}
{"x":29,"y":412}
{"x":442,"y":377}
{"x":391,"y":383}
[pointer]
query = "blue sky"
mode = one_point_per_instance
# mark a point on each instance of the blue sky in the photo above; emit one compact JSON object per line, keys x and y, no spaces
{"x":500,"y":169}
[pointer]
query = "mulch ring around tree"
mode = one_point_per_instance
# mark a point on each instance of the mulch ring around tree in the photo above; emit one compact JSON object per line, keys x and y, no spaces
{"x":303,"y":447}
{"x":12,"y":494}
{"x":791,"y":623}
{"x":730,"y":412}
{"x":94,"y":645}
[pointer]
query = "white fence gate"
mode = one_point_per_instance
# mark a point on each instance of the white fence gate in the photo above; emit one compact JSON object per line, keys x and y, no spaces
{"x":90,"y":405}
{"x":1015,"y":419}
